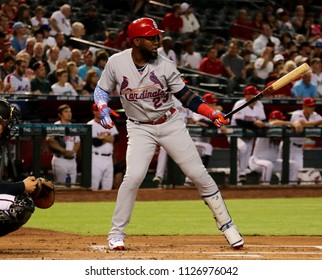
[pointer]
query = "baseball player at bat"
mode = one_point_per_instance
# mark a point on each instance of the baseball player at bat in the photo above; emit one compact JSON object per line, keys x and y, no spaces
{"x":146,"y":82}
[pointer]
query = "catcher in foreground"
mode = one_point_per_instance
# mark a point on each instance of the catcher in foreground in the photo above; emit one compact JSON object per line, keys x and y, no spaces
{"x":18,"y":199}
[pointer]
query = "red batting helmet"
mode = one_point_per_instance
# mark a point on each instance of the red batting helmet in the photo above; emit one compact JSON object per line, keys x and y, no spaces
{"x":143,"y":27}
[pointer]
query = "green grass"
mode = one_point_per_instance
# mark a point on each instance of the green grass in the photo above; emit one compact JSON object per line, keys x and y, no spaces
{"x":291,"y":216}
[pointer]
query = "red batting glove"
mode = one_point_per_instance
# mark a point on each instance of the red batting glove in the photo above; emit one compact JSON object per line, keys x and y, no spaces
{"x":219,"y":119}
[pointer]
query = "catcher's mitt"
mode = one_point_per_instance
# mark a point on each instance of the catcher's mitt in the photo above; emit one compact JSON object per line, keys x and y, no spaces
{"x":44,"y":194}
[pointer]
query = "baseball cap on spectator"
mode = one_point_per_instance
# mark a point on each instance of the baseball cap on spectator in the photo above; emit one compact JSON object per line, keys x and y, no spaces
{"x":309,"y":102}
{"x":318,"y":43}
{"x":94,"y":107}
{"x":276,"y":115}
{"x":299,"y":59}
{"x":184,"y":6}
{"x":278,"y":57}
{"x":250,"y":90}
{"x":37,"y":65}
{"x":17,"y":25}
{"x":45,"y":27}
{"x":209,"y":98}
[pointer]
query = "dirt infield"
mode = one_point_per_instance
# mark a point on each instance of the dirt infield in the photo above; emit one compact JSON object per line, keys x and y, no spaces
{"x":28,"y":243}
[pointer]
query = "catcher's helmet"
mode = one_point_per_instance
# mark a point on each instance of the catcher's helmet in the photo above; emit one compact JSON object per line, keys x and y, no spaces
{"x":5,"y":109}
{"x":143,"y":27}
{"x":9,"y":118}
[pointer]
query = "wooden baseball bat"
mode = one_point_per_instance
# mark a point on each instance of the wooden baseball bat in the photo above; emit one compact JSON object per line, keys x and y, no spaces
{"x":297,"y":72}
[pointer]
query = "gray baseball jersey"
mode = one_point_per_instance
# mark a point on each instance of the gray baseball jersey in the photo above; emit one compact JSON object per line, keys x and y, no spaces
{"x":144,"y":97}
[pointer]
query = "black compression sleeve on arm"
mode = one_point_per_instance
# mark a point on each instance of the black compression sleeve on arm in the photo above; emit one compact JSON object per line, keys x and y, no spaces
{"x":189,"y":99}
{"x":12,"y":188}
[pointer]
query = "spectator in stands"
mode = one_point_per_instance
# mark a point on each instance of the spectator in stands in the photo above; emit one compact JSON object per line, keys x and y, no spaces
{"x":9,"y":8}
{"x":91,"y":80}
{"x":249,"y":63}
{"x":39,"y":37}
{"x":219,"y":45}
{"x":5,"y":47}
{"x":76,"y":56}
{"x":60,"y":21}
{"x":190,"y":58}
{"x":284,"y":24}
{"x":63,"y":87}
{"x":264,"y":39}
{"x":64,"y":52}
{"x":190,"y":23}
{"x":248,"y":45}
{"x":39,"y":84}
{"x":38,"y":54}
{"x":16,"y":82}
{"x":316,"y":78}
{"x":4,"y":25}
{"x":264,"y":65}
{"x":234,"y":67}
{"x":18,"y":41}
{"x":256,"y":23}
{"x":298,"y":18}
{"x":52,"y":57}
{"x":38,"y":19}
{"x":7,"y":66}
{"x":60,"y":64}
{"x":305,"y":49}
{"x":73,"y":78}
{"x":29,"y":73}
{"x":78,"y":31}
{"x":299,"y":60}
{"x":172,"y":22}
{"x":122,"y":39}
{"x":285,"y":38}
{"x":251,"y":117}
{"x":111,"y":39}
{"x":265,"y":158}
{"x":101,"y":59}
{"x":289,"y":66}
{"x":317,"y":52}
{"x":304,"y":88}
{"x":211,"y":64}
{"x":49,"y":41}
{"x":278,"y":61}
{"x":240,"y":28}
{"x":23,"y":15}
{"x":289,"y":49}
{"x":93,"y":25}
{"x":283,"y":92}
{"x":88,"y":64}
{"x":29,"y":48}
{"x":64,"y":149}
{"x":166,"y":49}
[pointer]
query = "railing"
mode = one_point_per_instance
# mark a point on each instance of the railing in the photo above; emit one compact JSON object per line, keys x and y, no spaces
{"x":36,"y":131}
{"x":236,"y":132}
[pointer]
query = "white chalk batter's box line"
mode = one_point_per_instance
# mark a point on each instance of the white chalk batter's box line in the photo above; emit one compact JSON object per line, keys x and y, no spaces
{"x":103,"y":248}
